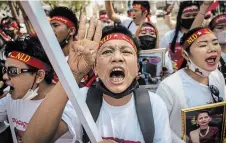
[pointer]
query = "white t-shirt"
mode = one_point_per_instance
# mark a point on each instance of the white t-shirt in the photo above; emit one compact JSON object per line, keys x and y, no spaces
{"x":120,"y":123}
{"x":22,"y":111}
{"x":166,"y":43}
{"x":197,"y":94}
{"x":126,"y":22}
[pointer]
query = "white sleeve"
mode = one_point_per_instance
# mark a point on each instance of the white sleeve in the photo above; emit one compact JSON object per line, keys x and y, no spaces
{"x":161,"y":120}
{"x":71,"y":119}
{"x":125,"y":21}
{"x":167,"y":98}
{"x":3,"y":110}
{"x":164,"y":43}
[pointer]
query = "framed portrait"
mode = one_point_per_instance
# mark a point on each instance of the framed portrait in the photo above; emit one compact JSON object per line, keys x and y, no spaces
{"x":204,"y":124}
{"x":150,"y":64}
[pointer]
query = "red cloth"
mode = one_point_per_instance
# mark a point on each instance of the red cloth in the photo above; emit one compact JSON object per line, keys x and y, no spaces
{"x":213,"y":6}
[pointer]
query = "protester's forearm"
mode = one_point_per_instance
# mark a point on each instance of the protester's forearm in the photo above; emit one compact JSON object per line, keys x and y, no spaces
{"x":200,"y":16}
{"x":169,"y":22}
{"x":109,"y":10}
{"x":46,"y":119}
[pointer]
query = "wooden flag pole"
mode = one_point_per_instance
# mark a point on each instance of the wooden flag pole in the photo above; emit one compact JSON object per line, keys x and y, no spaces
{"x":53,"y":50}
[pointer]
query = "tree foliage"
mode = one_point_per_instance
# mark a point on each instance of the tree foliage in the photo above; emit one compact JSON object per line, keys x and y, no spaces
{"x":76,"y":6}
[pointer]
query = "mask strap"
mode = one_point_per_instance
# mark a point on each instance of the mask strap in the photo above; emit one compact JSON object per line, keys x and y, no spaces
{"x":65,"y":41}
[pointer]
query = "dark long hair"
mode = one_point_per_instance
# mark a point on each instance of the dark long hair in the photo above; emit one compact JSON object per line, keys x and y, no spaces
{"x":183,"y":5}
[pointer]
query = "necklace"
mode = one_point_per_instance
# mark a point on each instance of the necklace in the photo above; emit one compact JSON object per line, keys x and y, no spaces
{"x":205,"y":133}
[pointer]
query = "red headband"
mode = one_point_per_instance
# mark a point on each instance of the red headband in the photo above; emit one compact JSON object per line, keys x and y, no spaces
{"x":195,"y":36}
{"x":12,"y":24}
{"x":117,"y":36}
{"x":190,"y":9}
{"x":219,"y":19}
{"x":29,"y":60}
{"x":148,"y":28}
{"x":139,"y":6}
{"x":63,"y":20}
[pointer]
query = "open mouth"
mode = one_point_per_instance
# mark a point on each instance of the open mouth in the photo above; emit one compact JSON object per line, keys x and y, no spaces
{"x":11,"y":89}
{"x":211,"y":60}
{"x":117,"y":75}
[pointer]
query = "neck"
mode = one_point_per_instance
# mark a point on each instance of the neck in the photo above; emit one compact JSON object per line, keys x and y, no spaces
{"x":139,"y":22}
{"x":204,"y":127}
{"x":15,"y":37}
{"x":117,"y":102}
{"x":223,"y":48}
{"x":183,"y":30}
{"x":200,"y":79}
{"x":67,"y":47}
{"x":44,"y":88}
{"x":66,"y":50}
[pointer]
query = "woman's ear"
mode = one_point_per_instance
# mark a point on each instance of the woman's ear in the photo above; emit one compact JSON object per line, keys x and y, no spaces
{"x":40,"y":76}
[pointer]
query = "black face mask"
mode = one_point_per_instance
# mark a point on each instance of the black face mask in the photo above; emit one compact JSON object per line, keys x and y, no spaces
{"x":134,"y":85}
{"x":187,"y":23}
{"x":147,"y":42}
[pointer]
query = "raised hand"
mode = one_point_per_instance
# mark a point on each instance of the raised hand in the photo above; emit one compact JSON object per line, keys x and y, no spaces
{"x":208,"y":2}
{"x":169,"y":8}
{"x":82,"y":53}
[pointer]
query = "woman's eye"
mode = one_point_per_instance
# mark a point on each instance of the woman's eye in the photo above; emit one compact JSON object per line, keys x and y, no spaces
{"x":216,"y":43}
{"x":143,"y":32}
{"x":202,"y":45}
{"x":106,"y":52}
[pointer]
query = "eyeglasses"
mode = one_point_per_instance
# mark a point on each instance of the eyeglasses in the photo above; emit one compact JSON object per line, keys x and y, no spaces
{"x":215,"y":92}
{"x":13,"y":71}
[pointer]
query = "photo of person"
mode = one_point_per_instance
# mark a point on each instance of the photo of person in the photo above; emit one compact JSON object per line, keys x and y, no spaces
{"x":204,"y":133}
{"x":150,"y":66}
{"x":204,"y":124}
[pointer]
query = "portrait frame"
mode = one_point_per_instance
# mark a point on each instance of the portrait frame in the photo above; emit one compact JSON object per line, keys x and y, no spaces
{"x":217,"y":113}
{"x":156,"y":60}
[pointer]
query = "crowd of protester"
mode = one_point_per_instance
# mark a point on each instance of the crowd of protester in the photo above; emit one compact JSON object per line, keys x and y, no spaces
{"x":34,"y":107}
